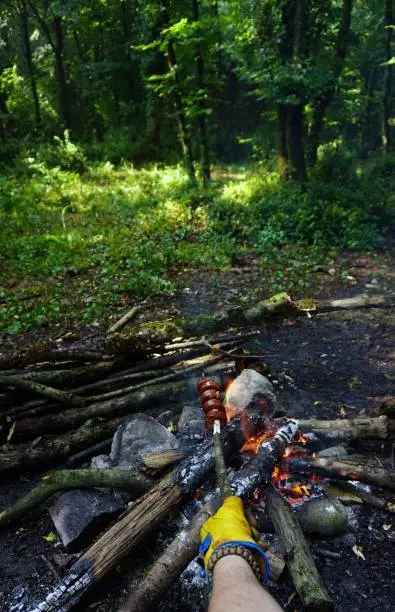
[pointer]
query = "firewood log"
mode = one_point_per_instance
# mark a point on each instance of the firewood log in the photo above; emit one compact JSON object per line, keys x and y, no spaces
{"x":347,"y":470}
{"x":302,"y":568}
{"x":360,"y":428}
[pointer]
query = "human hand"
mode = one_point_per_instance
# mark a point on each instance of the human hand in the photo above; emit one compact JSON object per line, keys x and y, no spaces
{"x":228,"y":532}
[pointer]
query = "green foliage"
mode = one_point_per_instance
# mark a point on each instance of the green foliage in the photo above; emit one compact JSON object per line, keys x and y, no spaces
{"x":64,"y":154}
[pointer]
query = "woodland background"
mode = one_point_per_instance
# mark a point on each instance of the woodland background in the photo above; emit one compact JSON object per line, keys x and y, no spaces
{"x":144,"y":140}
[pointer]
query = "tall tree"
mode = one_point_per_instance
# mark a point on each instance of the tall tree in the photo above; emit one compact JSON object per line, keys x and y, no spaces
{"x":202,"y":111}
{"x":387,"y":89}
{"x":56,"y":42}
{"x":24,"y":19}
{"x":324,"y":98}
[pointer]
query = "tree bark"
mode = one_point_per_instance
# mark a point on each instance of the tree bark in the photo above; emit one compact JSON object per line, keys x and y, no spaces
{"x":145,"y":515}
{"x":29,"y":60}
{"x":64,"y":98}
{"x":182,"y":550}
{"x":67,"y":480}
{"x":360,"y":428}
{"x":295,"y":143}
{"x":305,"y":576}
{"x":387,"y":93}
{"x":324,"y":98}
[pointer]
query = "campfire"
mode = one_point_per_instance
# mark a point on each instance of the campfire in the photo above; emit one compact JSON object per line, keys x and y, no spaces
{"x":150,"y":464}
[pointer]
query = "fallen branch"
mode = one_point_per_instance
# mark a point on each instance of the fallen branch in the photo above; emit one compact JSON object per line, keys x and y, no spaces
{"x":146,"y":514}
{"x":302,"y":568}
{"x":49,"y":450}
{"x":69,"y":419}
{"x":360,"y":428}
{"x":66,"y":480}
{"x":64,"y":397}
{"x":209,"y":360}
{"x":129,"y":316}
{"x":347,"y":470}
{"x":384,"y":503}
{"x":183,"y":549}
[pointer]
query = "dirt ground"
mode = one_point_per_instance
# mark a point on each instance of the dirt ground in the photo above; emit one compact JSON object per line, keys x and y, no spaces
{"x":325,"y":366}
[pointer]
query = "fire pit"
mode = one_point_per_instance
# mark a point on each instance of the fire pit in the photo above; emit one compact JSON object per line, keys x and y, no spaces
{"x":305,"y":469}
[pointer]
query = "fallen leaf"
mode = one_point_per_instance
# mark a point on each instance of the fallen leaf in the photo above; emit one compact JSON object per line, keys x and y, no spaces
{"x":342,"y":412}
{"x":51,"y":537}
{"x":357,"y":550}
{"x":387,"y":526}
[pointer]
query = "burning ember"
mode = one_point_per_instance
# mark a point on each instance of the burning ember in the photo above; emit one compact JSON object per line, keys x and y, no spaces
{"x":281,"y":478}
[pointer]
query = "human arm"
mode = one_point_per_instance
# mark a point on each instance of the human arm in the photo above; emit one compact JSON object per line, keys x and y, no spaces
{"x":236,"y":589}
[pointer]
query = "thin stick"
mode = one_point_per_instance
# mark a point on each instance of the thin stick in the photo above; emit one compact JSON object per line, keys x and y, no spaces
{"x":55,"y":394}
{"x":129,"y":316}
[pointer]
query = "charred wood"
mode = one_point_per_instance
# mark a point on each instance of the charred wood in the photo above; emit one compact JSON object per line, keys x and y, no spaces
{"x":347,"y":470}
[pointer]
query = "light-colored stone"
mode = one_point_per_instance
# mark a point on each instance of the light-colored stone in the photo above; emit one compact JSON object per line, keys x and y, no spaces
{"x":251,"y":390}
{"x":323,"y":516}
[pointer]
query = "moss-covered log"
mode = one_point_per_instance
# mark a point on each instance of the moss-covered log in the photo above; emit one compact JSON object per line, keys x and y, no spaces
{"x":65,"y":397}
{"x":67,"y":480}
{"x":302,"y":568}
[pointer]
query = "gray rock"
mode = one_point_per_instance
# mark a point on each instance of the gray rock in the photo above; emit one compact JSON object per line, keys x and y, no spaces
{"x":251,"y":390}
{"x":191,"y":419}
{"x":80,"y":514}
{"x":139,"y":434}
{"x":334,"y":452}
{"x":323,"y":516}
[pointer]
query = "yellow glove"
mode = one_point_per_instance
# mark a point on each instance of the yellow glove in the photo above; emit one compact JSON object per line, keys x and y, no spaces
{"x":228,"y":532}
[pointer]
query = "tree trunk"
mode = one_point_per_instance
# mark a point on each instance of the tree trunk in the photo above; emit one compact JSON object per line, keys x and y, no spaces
{"x":201,"y":119}
{"x":282,"y":143}
{"x":324,"y":99}
{"x":64,"y":99}
{"x":4,"y":113}
{"x":182,"y":122}
{"x":387,"y":93}
{"x":29,"y":60}
{"x":295,"y":141}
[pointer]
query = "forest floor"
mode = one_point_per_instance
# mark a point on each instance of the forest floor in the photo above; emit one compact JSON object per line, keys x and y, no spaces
{"x":324,"y":366}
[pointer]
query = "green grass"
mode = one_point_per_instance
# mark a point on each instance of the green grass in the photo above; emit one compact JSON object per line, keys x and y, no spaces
{"x":73,"y":246}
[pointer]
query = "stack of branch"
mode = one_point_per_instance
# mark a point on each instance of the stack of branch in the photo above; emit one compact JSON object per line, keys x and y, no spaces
{"x":76,"y":392}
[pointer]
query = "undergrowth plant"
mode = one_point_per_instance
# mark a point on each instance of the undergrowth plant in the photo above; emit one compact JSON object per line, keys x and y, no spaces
{"x":77,"y":239}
